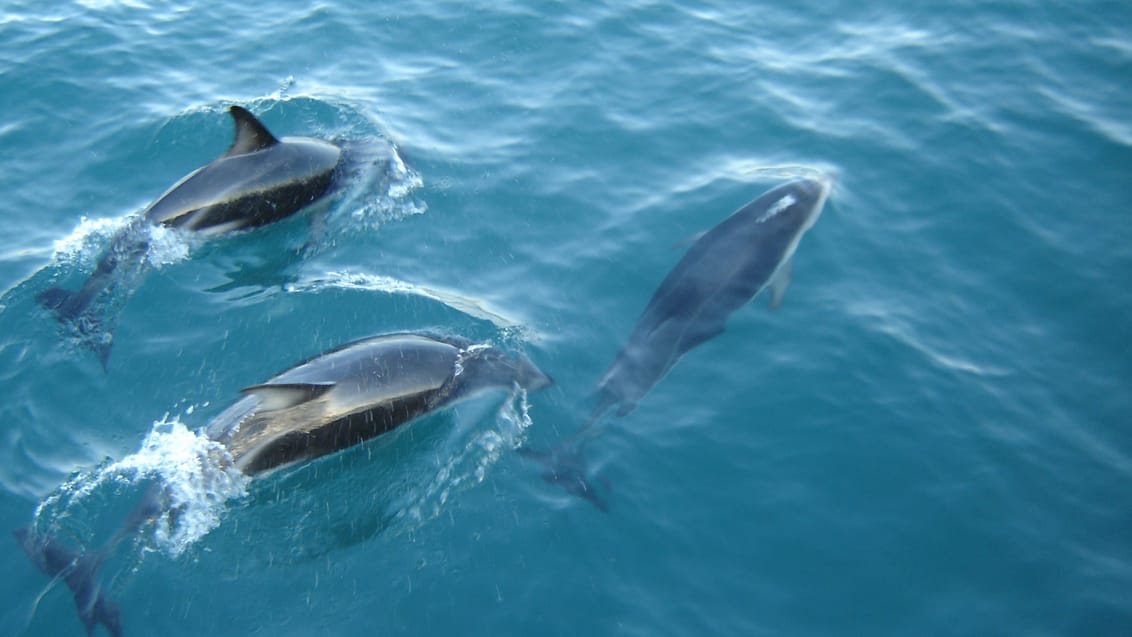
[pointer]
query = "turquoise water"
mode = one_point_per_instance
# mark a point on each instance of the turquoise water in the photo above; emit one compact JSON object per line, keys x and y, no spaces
{"x":930,"y":435}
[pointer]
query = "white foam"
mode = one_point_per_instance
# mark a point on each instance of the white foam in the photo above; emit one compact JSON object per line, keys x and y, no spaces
{"x":167,"y":246}
{"x":90,"y":238}
{"x":196,"y":474}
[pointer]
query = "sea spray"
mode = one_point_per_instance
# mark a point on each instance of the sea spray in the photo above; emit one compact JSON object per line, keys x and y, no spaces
{"x":196,"y":476}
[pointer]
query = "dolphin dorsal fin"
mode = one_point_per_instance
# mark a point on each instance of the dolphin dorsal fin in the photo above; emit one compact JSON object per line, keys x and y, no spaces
{"x":286,"y":395}
{"x":251,"y":135}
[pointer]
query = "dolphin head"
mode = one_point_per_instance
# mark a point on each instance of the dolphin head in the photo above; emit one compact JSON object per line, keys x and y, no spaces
{"x":531,"y":377}
{"x":795,"y":205}
{"x":490,"y":366}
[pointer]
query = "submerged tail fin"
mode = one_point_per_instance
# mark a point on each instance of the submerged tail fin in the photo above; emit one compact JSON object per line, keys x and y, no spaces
{"x":66,"y":303}
{"x":69,"y":307}
{"x":80,"y":572}
{"x":123,"y":261}
{"x":564,"y":465}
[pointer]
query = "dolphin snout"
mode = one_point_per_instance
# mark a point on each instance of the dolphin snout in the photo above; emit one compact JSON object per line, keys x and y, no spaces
{"x":531,"y":377}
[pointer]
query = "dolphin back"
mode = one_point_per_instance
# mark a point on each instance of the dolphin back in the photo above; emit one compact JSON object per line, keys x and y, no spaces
{"x":359,"y":391}
{"x":249,"y":190}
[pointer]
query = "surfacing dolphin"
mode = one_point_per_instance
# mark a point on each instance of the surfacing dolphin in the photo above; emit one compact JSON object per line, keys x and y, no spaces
{"x":259,"y":180}
{"x":354,"y":393}
{"x":328,"y":403}
{"x":750,"y":251}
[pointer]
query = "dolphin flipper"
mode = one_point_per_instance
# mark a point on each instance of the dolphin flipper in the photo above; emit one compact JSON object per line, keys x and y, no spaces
{"x":80,"y":572}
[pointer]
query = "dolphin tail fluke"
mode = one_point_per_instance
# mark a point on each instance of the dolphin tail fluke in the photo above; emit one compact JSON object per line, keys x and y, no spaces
{"x":564,"y":465}
{"x":104,"y":612}
{"x":102,"y":350}
{"x":66,"y":303}
{"x":70,"y":307}
{"x":79,"y":571}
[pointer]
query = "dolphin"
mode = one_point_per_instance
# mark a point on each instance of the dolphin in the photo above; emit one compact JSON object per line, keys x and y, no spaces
{"x":259,"y":180}
{"x":362,"y":390}
{"x":78,"y":569}
{"x":750,"y":251}
{"x":333,"y":401}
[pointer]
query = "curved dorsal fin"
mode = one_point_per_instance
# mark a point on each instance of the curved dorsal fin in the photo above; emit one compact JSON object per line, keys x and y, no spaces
{"x":251,"y":135}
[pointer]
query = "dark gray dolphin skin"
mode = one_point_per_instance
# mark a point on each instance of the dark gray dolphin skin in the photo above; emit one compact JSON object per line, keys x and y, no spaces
{"x":748,"y":252}
{"x":328,"y":403}
{"x":259,"y":180}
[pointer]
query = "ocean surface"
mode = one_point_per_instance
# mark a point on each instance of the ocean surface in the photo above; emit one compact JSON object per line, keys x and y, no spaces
{"x":932,"y":435}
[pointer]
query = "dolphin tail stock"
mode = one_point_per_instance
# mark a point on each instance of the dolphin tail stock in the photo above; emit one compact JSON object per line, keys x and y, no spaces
{"x":70,"y":308}
{"x":128,"y":248}
{"x":79,"y":571}
{"x":565,"y":465}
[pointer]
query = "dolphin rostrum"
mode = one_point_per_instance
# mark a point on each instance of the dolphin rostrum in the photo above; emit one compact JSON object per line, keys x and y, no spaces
{"x":259,"y":180}
{"x":328,"y":403}
{"x":746,"y":253}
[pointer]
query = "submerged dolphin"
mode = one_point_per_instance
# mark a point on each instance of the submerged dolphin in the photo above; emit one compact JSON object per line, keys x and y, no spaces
{"x":259,"y":180}
{"x":746,"y":253}
{"x":328,"y":403}
{"x":79,"y":572}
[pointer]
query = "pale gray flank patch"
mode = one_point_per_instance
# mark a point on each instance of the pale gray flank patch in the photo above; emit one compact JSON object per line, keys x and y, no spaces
{"x":779,"y":206}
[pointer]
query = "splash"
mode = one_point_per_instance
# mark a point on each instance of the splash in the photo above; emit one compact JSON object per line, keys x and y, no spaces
{"x":196,"y":476}
{"x":167,"y":246}
{"x":88,"y":239}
